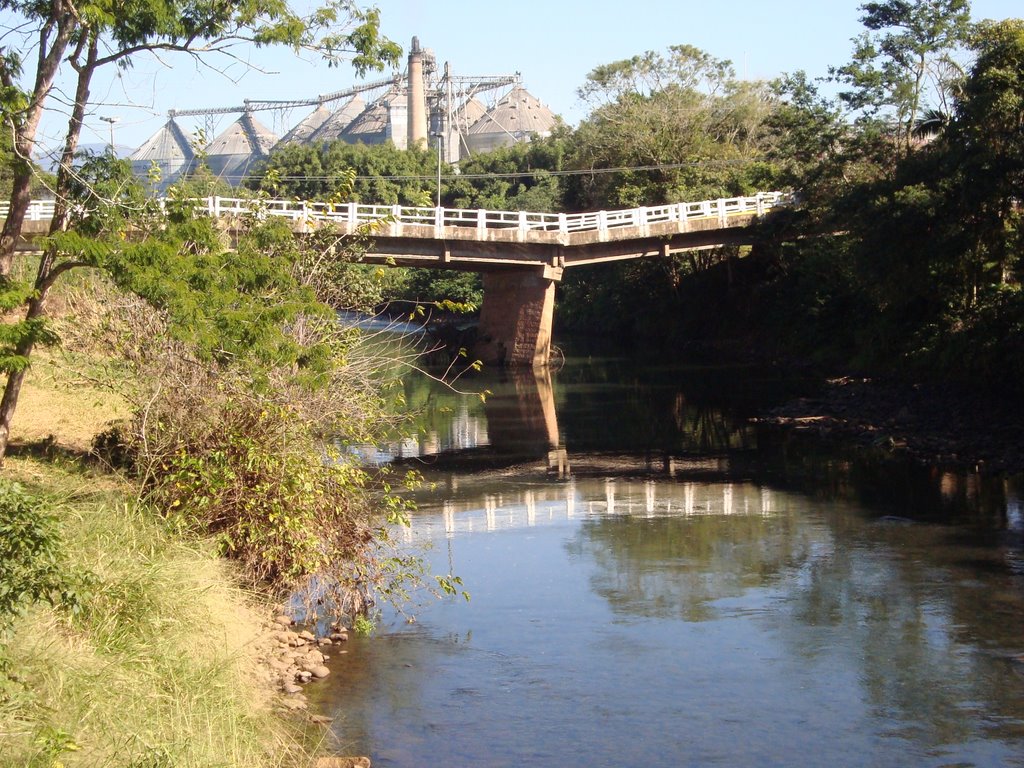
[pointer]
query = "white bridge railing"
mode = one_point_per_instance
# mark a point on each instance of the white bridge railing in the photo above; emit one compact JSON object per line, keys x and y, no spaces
{"x":357,"y":214}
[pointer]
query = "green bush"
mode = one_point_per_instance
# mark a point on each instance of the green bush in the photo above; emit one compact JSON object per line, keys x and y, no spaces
{"x":247,"y":468}
{"x":31,"y":556}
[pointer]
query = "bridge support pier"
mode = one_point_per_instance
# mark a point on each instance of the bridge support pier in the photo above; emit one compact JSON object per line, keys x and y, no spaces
{"x":516,"y":318}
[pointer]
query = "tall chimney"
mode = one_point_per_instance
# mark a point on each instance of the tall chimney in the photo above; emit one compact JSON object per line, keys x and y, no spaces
{"x":417,"y":98}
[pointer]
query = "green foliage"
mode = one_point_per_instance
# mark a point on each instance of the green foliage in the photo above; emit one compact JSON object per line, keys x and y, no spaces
{"x":32,"y":556}
{"x":513,"y":178}
{"x":905,"y":61}
{"x":685,"y":110}
{"x":376,"y":174}
{"x":431,"y":286}
{"x":14,"y":335}
{"x":158,"y":669}
{"x":249,"y":469}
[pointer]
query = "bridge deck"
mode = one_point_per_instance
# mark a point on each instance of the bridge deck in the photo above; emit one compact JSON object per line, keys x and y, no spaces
{"x":486,"y":239}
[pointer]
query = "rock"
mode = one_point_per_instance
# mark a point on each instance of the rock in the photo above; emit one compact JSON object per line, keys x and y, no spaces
{"x":320,"y":719}
{"x":308,"y":636}
{"x":339,"y":637}
{"x":282,"y":620}
{"x":293,"y":704}
{"x":320,"y":672}
{"x":343,"y":762}
{"x":291,"y":688}
{"x":324,"y":641}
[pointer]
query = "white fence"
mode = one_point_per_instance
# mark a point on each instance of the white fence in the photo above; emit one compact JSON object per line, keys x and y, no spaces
{"x":356,"y":214}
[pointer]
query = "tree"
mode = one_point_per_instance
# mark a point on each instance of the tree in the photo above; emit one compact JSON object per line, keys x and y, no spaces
{"x":522,"y":177}
{"x":375,"y":174}
{"x":905,"y":62}
{"x":987,"y":133}
{"x":679,"y":125}
{"x":95,"y":33}
{"x":113,"y":32}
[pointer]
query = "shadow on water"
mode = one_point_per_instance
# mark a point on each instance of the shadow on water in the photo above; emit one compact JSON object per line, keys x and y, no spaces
{"x":595,"y":418}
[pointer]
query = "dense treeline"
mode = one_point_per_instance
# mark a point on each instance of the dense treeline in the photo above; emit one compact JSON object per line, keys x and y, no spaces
{"x":904,"y":246}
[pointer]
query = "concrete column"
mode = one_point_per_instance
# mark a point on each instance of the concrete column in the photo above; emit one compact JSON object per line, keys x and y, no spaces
{"x":417,"y":106}
{"x":516,"y":319}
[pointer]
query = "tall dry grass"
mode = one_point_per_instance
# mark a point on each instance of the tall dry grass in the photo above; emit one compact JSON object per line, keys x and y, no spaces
{"x":160,"y":668}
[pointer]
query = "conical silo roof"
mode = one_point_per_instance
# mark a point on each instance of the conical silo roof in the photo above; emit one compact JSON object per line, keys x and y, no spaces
{"x":518,"y":113}
{"x":468,"y":113}
{"x":516,"y":117}
{"x":334,"y":126}
{"x":373,"y":123}
{"x":240,"y":145}
{"x":465,"y":115}
{"x":307,"y":126}
{"x":169,"y":150}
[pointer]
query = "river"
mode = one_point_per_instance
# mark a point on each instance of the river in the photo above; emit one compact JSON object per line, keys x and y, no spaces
{"x":655,"y":584}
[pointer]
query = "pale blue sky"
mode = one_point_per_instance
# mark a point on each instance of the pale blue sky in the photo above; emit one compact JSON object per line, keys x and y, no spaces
{"x":552,"y":43}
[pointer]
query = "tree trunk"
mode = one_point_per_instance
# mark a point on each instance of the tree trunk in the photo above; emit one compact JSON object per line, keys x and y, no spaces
{"x":50,"y":54}
{"x":75,"y":122}
{"x":36,"y":309}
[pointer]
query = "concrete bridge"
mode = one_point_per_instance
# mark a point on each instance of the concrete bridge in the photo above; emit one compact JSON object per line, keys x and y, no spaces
{"x":521,"y":255}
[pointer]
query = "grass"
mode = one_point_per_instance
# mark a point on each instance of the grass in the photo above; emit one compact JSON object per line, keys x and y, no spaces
{"x":59,"y":407}
{"x":161,"y":667}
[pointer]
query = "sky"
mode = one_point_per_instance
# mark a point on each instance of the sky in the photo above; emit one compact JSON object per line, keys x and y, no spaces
{"x":552,"y":44}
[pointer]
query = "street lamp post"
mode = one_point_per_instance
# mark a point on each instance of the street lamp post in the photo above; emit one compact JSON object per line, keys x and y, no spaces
{"x":111,"y":120}
{"x":440,"y":146}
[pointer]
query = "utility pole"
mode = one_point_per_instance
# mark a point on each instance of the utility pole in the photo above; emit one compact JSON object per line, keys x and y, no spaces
{"x":440,"y":148}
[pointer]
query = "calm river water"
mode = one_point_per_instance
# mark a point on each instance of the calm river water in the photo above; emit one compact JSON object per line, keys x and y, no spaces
{"x":652,"y":587}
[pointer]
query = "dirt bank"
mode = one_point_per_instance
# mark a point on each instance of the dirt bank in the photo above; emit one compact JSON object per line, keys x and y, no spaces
{"x":931,"y":423}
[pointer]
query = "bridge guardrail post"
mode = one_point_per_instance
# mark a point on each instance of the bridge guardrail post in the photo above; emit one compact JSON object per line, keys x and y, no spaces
{"x":563,"y":224}
{"x":602,"y":225}
{"x":722,"y":218}
{"x":439,"y":223}
{"x":481,"y":224}
{"x":523,"y":226}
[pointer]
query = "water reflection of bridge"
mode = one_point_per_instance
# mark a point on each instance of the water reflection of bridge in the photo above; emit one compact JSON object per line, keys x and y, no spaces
{"x":492,"y":506}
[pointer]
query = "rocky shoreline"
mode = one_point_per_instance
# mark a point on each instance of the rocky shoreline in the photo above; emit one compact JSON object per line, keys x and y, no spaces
{"x":291,"y":657}
{"x":938,"y":424}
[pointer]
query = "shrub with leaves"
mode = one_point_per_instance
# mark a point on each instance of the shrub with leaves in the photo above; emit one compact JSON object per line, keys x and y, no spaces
{"x":246,"y":466}
{"x":31,"y":568}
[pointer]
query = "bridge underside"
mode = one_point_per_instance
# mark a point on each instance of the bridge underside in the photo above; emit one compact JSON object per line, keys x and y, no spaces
{"x":519,"y":280}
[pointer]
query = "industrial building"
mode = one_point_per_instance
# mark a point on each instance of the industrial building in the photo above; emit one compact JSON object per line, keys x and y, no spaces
{"x":423,"y":106}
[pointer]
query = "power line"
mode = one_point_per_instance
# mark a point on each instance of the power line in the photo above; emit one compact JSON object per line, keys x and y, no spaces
{"x":518,"y":174}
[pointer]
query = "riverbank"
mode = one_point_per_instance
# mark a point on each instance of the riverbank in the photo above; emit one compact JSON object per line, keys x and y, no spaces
{"x":942,"y":424}
{"x":166,"y":661}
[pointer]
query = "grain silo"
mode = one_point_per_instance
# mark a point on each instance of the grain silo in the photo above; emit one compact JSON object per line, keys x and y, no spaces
{"x":233,"y":152}
{"x":516,"y":117}
{"x":383,"y":120}
{"x":306,"y":127}
{"x":464,"y":116}
{"x":168,"y":153}
{"x":334,"y":126}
